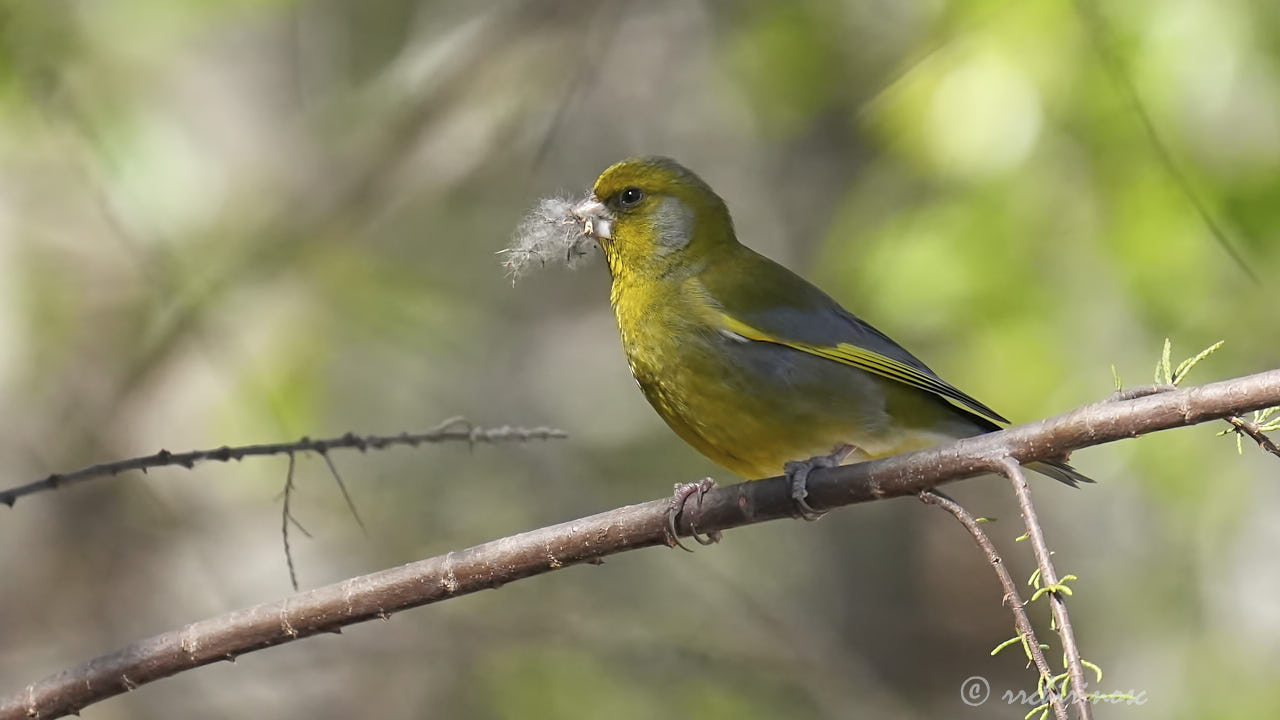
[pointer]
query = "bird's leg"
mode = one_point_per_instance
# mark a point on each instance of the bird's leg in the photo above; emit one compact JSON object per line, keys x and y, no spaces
{"x":797,"y":471}
{"x":682,"y":494}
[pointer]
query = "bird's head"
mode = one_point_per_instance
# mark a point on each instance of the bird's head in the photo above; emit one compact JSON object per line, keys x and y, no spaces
{"x":652,"y":215}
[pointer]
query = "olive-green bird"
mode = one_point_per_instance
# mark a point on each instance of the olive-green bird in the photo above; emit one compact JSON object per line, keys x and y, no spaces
{"x":745,"y":360}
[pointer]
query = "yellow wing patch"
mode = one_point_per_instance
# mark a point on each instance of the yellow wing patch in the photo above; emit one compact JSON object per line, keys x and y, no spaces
{"x":868,"y":360}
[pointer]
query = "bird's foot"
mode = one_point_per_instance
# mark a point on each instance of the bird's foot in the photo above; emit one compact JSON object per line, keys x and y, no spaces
{"x":797,"y":471}
{"x":682,"y":494}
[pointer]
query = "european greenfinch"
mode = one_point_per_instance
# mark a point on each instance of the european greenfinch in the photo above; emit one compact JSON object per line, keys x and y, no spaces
{"x":746,"y":361}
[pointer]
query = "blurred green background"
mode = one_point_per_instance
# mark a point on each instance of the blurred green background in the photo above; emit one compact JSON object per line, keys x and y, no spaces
{"x":248,"y":221}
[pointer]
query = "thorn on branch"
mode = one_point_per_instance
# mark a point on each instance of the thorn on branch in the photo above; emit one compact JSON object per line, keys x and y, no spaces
{"x":447,"y":431}
{"x":294,"y":520}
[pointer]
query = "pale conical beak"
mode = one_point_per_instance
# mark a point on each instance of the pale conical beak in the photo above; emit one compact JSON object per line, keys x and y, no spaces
{"x":596,"y":219}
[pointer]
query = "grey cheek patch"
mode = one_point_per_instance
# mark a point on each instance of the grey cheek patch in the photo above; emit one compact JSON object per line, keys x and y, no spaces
{"x":673,"y":222}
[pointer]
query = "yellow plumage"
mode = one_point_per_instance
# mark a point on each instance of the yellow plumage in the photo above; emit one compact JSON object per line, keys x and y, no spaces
{"x":746,"y":361}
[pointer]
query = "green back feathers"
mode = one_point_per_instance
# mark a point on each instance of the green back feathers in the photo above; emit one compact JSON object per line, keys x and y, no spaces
{"x":782,"y":308}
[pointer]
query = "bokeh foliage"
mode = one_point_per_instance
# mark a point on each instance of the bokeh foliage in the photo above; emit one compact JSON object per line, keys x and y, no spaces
{"x":249,"y":221}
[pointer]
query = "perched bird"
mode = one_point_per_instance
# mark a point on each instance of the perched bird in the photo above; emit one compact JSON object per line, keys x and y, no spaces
{"x":745,"y":360}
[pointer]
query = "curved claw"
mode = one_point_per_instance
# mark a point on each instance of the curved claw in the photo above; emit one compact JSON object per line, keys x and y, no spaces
{"x":797,"y":471}
{"x":683,"y":491}
{"x":805,"y":510}
{"x":711,"y":538}
{"x":673,"y":511}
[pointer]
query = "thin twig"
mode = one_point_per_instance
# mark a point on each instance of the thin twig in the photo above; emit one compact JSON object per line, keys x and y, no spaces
{"x":1111,"y":60}
{"x":589,"y":539}
{"x":919,"y":58}
{"x":454,"y":429}
{"x":1011,"y":595}
{"x":1251,"y":429}
{"x":351,"y":505}
{"x":285,"y":517}
{"x":288,"y":515}
{"x":600,"y":32}
{"x":1012,"y":469}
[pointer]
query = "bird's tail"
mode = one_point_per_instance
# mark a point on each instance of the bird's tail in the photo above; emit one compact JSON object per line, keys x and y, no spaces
{"x":1061,"y":472}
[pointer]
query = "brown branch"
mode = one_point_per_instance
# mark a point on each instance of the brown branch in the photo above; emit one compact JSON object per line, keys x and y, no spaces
{"x":494,"y":563}
{"x":1011,"y":595}
{"x":1134,"y":393}
{"x":1011,"y":469}
{"x":1238,"y":424}
{"x":1247,"y":427}
{"x":454,"y":429}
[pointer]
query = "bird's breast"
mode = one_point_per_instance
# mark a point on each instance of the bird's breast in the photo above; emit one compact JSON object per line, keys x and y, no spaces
{"x":749,"y":406}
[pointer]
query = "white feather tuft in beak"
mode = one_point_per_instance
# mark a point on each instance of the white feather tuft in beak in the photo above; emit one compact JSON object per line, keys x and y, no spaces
{"x":596,"y":219}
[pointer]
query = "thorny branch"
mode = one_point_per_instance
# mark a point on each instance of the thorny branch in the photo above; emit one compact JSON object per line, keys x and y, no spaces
{"x":287,"y":518}
{"x":587,"y":540}
{"x":453,"y":429}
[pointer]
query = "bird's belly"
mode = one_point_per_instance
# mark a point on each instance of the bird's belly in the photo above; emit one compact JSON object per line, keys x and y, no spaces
{"x":752,"y":407}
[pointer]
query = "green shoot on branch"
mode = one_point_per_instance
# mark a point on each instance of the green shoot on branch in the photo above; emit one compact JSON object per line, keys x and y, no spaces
{"x":1166,"y":374}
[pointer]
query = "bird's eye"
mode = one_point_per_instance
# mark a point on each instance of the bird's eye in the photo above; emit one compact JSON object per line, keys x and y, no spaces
{"x":630,"y":197}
